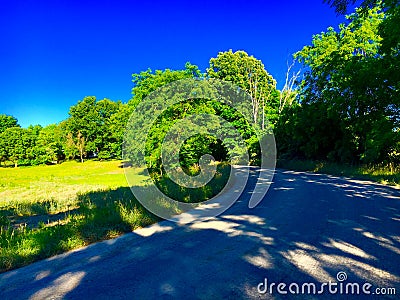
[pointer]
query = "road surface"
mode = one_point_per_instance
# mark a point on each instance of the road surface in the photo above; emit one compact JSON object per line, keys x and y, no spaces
{"x":307,"y":229}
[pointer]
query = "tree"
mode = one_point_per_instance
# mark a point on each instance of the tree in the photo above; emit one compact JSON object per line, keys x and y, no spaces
{"x":388,"y":64}
{"x":175,"y":110}
{"x":149,"y":81}
{"x":7,"y":122}
{"x":248,"y":73}
{"x":33,"y":156}
{"x":15,"y":144}
{"x":70,"y":149}
{"x":80,"y":145}
{"x":341,"y":6}
{"x":49,"y":144}
{"x":116,"y":127}
{"x":104,"y":141}
{"x":144,"y":84}
{"x":288,"y":94}
{"x":75,"y":145}
{"x":84,"y":118}
{"x":347,"y":103}
{"x":90,"y":120}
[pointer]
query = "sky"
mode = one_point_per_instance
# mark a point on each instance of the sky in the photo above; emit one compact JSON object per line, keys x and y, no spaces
{"x":54,"y":53}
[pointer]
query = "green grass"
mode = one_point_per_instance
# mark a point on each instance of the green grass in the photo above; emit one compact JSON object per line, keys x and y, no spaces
{"x":52,"y":189}
{"x":382,"y":174}
{"x":47,"y":210}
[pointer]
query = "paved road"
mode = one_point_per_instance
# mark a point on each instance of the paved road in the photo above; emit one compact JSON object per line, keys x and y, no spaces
{"x":307,"y":229}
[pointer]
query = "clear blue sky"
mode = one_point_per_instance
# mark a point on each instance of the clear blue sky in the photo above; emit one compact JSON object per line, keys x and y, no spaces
{"x":54,"y":53}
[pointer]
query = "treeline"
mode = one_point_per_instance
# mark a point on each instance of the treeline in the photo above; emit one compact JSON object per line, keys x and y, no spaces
{"x":345,"y":108}
{"x":348,"y":107}
{"x":94,"y":129}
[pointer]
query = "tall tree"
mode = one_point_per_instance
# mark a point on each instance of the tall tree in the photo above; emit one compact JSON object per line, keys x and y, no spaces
{"x":84,"y":118}
{"x":90,"y":119}
{"x":248,"y":73}
{"x":288,"y":94}
{"x":345,"y":89}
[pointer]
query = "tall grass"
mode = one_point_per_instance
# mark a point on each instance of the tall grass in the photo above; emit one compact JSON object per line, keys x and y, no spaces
{"x":380,"y":173}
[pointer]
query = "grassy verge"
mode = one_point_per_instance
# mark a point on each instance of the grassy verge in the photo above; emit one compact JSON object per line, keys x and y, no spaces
{"x":47,"y":210}
{"x":381,"y":174}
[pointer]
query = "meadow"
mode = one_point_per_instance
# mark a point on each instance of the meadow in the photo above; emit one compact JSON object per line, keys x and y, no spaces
{"x":47,"y":210}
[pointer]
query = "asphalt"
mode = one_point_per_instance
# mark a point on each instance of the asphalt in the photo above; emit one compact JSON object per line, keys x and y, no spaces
{"x":307,"y":229}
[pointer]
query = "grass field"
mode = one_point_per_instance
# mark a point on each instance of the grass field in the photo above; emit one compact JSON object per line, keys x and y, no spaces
{"x":47,"y":210}
{"x":53,"y":189}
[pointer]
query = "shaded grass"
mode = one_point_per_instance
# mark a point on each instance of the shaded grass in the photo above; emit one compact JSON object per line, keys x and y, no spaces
{"x":101,"y":215}
{"x":382,"y":174}
{"x":194,"y":195}
{"x":26,"y":191}
{"x":89,"y":202}
{"x":47,"y":210}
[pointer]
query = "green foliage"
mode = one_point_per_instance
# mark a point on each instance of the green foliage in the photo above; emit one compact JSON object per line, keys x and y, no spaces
{"x":7,"y":122}
{"x":114,"y":134}
{"x":194,"y":147}
{"x":17,"y":145}
{"x":248,"y":73}
{"x":49,"y":144}
{"x":194,"y":195}
{"x":147,"y":81}
{"x":349,"y":109}
{"x":178,"y":103}
{"x":96,"y":127}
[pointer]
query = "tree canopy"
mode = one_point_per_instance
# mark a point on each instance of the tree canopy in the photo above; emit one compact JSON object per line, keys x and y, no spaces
{"x":349,"y":109}
{"x":250,"y":74}
{"x":7,"y":122}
